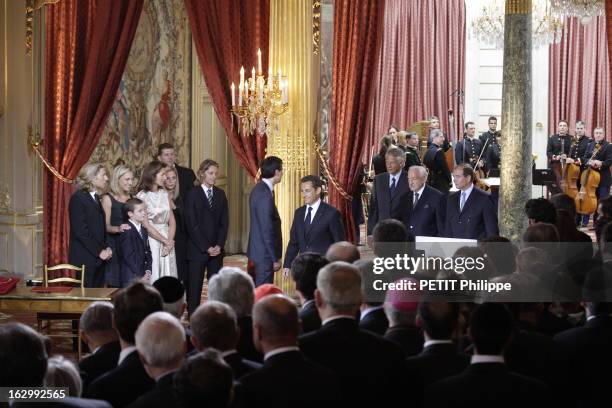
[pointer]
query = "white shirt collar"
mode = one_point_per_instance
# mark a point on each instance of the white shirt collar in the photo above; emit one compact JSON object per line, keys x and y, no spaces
{"x":433,"y":342}
{"x":315,"y":207}
{"x":125,"y":352}
{"x":229,"y":352}
{"x":269,"y":183}
{"x":396,"y":176}
{"x":594,"y":316}
{"x":324,"y":322}
{"x":487,"y":358}
{"x":279,"y":351}
{"x":205,"y":188}
{"x":369,"y":310}
{"x":93,"y":194}
{"x":420,"y":192}
{"x":136,"y":224}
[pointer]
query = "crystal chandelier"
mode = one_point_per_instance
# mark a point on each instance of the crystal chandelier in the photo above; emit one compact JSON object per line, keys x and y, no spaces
{"x":260,"y":101}
{"x":488,"y":28}
{"x":585,"y":10}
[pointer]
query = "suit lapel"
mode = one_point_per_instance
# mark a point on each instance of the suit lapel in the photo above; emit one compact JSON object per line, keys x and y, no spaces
{"x":469,"y":200}
{"x":315,"y":219}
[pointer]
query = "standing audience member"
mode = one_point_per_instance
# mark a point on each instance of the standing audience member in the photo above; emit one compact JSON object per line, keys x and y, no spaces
{"x":275,"y":333}
{"x":88,"y":241}
{"x":186,"y":178}
{"x":160,"y":341}
{"x":304,"y":271}
{"x":63,"y":373}
{"x":98,"y":333}
{"x":424,"y":207}
{"x":413,"y":156}
{"x":235,"y":288}
{"x":159,"y":223}
{"x":177,"y":204}
{"x":135,"y":258}
{"x":128,"y":380}
{"x":121,"y":184}
{"x":207,"y":221}
{"x":378,"y":160}
{"x":214,"y":325}
{"x":439,"y":175}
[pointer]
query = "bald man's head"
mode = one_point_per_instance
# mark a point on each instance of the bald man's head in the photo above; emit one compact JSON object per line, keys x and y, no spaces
{"x":275,"y":319}
{"x":342,"y":251}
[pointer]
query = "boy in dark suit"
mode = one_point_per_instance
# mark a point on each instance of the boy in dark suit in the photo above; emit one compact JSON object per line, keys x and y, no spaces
{"x":134,"y":252}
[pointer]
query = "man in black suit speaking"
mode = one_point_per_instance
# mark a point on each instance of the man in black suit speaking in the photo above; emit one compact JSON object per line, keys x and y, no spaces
{"x":424,"y":207}
{"x":316,"y":225}
{"x":470,"y":213}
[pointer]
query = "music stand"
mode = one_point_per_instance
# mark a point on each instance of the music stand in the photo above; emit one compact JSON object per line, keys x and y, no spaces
{"x":543,"y":177}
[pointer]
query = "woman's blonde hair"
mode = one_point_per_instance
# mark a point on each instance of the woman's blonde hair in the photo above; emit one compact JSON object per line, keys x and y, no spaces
{"x":118,"y":172}
{"x":401,"y":136}
{"x":87,"y":174}
{"x":175,"y":193}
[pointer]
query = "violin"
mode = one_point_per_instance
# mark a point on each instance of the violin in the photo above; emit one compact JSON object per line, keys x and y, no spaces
{"x":586,"y":199}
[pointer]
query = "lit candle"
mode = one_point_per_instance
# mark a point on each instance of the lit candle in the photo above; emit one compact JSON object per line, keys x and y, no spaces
{"x":253,"y":76}
{"x":259,"y":71}
{"x":241,"y":75}
{"x":246,"y":93}
{"x":240,"y":93}
{"x":233,"y":95}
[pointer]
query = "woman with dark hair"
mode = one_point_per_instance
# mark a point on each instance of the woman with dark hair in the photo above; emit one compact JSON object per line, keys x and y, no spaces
{"x":378,"y":161}
{"x":393,"y":129}
{"x":160,"y":222}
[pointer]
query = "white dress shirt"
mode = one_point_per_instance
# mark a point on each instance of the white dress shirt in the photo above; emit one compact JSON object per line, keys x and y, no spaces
{"x":487,"y":358}
{"x":467,"y":193}
{"x":324,"y":322}
{"x":205,"y":188}
{"x":420,"y":193}
{"x":395,"y":176}
{"x":269,"y":183}
{"x":125,"y":352}
{"x":433,"y":342}
{"x":279,"y":351}
{"x":315,"y":207}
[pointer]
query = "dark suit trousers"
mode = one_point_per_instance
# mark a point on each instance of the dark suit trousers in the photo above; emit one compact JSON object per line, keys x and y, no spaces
{"x":263,"y":272}
{"x":94,"y":275}
{"x":195,"y":281}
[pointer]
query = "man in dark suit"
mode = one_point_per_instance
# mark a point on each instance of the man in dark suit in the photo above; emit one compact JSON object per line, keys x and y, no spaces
{"x":207,"y":222}
{"x":265,"y":237}
{"x":128,"y":380}
{"x":304,"y":271}
{"x":97,"y":332}
{"x":316,"y":225}
{"x":424,"y":208}
{"x":88,"y":244}
{"x":439,"y":175}
{"x":558,"y":149}
{"x":370,"y":368}
{"x":487,"y":382}
{"x":598,"y":156}
{"x":186,"y":177}
{"x":134,"y":251}
{"x":214,"y":325}
{"x":412,"y":151}
{"x":469,"y":148}
{"x":275,"y":331}
{"x":491,"y":133}
{"x":440,"y":357}
{"x":470,"y":213}
{"x":389,"y":190}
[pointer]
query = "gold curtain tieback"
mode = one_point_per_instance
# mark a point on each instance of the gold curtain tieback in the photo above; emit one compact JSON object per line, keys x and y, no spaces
{"x":35,"y":145}
{"x":327,"y":171}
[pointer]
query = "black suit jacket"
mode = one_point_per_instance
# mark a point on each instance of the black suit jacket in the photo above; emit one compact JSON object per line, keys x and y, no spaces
{"x":427,"y":217}
{"x":408,"y":338}
{"x":98,"y":363}
{"x":245,"y":346}
{"x":378,"y":163}
{"x":87,"y":230}
{"x":434,"y":363}
{"x":186,"y":178}
{"x":134,"y":254}
{"x":375,"y":321}
{"x":325,"y":229}
{"x":162,"y":396}
{"x":240,"y":366}
{"x":309,"y":315}
{"x":412,"y":158}
{"x":124,"y":384}
{"x":558,"y":145}
{"x":467,"y":150}
{"x":478,"y":219}
{"x":382,"y":204}
{"x":439,"y":176}
{"x":296,"y":382}
{"x":605,"y":156}
{"x":487,"y":385}
{"x":206,"y":226}
{"x":371,"y":369}
{"x":265,"y":236}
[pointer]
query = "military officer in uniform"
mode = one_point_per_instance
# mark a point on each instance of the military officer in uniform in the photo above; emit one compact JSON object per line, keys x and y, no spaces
{"x":491,"y":133}
{"x":439,"y":175}
{"x":468,"y":150}
{"x":412,"y":150}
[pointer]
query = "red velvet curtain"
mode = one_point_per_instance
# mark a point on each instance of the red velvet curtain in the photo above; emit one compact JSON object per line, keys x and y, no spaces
{"x":421,"y":63}
{"x":227,"y":34}
{"x":609,"y":29}
{"x":87,"y":45}
{"x":579,"y":77}
{"x":357,"y":30}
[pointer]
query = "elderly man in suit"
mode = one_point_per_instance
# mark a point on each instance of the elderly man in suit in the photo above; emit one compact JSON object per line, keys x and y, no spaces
{"x":470,"y":213}
{"x":389,"y":189}
{"x":316,"y":225}
{"x":265,"y":237}
{"x":424,"y":207}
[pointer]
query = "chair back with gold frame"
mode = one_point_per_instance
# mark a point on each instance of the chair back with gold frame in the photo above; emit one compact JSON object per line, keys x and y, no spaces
{"x":81,"y":269}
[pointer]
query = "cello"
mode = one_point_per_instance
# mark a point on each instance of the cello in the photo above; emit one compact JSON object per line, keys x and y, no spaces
{"x":586,"y":199}
{"x":571,"y":175}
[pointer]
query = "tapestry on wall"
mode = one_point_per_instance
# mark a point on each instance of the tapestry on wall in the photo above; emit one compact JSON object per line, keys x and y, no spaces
{"x":152,"y":105}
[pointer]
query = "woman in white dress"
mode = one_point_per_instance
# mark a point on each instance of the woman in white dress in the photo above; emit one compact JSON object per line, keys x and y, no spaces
{"x":160,"y":223}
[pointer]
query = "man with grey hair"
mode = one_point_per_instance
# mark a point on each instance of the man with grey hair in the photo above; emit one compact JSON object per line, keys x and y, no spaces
{"x":389,"y":188}
{"x":97,"y":332}
{"x":424,"y":207}
{"x":357,"y":356}
{"x":439,"y":175}
{"x":342,"y":251}
{"x":160,"y":341}
{"x":214,"y":325}
{"x":235,"y":288}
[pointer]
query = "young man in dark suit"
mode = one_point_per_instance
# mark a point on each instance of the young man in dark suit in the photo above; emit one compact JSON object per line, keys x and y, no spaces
{"x":265,"y":237}
{"x":439,"y":176}
{"x":186,"y":177}
{"x":389,"y":190}
{"x":88,"y":244}
{"x":424,"y":207}
{"x":207,"y":221}
{"x":470,"y":213}
{"x":304,"y":271}
{"x":413,"y":157}
{"x":134,"y":251}
{"x":275,"y":332}
{"x":487,"y":382}
{"x":128,"y":380}
{"x":316,"y":225}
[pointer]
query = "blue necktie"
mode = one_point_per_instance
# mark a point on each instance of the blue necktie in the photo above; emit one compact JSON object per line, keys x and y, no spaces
{"x":392,"y":188}
{"x":308,"y":219}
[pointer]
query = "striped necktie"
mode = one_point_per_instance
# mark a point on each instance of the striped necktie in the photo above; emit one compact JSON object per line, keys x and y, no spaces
{"x":209,"y":196}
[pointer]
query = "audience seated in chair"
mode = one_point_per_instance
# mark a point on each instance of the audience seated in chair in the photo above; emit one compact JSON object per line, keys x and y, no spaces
{"x":342,"y":251}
